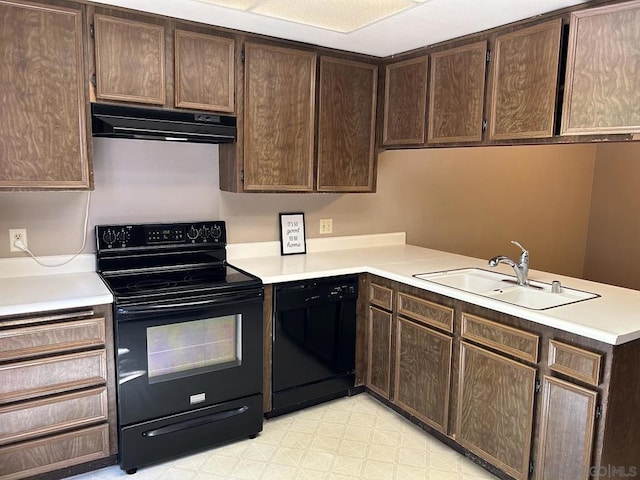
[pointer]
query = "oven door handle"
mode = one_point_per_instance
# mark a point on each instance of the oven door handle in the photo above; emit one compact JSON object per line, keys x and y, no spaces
{"x":235,"y":298}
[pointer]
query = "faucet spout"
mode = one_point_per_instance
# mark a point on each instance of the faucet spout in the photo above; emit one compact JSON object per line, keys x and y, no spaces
{"x":521,"y":269}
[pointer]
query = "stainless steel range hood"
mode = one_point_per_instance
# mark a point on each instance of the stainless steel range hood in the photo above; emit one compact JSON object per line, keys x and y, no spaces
{"x":156,"y":124}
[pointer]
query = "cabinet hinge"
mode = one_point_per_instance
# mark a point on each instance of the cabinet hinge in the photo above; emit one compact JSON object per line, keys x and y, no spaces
{"x":598,"y":411}
{"x":531,"y":467}
{"x":93,"y":80}
{"x":242,"y":176}
{"x":488,"y":56}
{"x":242,"y":56}
{"x":484,"y":125}
{"x":92,"y":31}
{"x":538,"y":386}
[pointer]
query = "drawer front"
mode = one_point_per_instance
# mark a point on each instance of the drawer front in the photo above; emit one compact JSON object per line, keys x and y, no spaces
{"x":505,"y":339}
{"x":52,"y":414}
{"x":381,"y":296}
{"x":575,"y":362}
{"x":52,"y":453}
{"x":426,"y":312}
{"x":50,"y":338}
{"x":34,"y":378}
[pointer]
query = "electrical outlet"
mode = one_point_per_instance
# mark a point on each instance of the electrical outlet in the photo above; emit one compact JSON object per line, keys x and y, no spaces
{"x":326,"y":225}
{"x":17,"y":234}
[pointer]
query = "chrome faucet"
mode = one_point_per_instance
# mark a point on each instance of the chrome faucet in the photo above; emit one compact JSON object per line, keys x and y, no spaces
{"x":521,"y":269}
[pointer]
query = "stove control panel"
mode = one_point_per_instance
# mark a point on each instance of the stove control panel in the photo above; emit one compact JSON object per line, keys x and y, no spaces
{"x":110,"y":237}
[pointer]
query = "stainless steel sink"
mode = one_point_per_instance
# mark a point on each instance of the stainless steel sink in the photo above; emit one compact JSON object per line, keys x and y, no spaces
{"x":498,"y":286}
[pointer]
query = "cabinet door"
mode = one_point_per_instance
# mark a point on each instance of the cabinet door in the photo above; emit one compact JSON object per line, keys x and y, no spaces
{"x":43,"y":125}
{"x":456,"y":94}
{"x":279,"y":118}
{"x":525,"y":82}
{"x":405,"y":102}
{"x":130,"y":63}
{"x":346,"y":128}
{"x":423,"y":372}
{"x":602,"y":88}
{"x":495,"y":409}
{"x":566,"y":430}
{"x":204,"y":72}
{"x":379,"y":352}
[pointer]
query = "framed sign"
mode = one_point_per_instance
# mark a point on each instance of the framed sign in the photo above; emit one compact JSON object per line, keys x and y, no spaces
{"x":292,"y":235}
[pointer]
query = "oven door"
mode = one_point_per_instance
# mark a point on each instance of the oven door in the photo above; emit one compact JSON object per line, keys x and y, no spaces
{"x":179,"y":355}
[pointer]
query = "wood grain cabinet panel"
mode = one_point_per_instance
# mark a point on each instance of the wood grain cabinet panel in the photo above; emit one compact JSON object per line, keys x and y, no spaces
{"x":602,"y":87}
{"x":381,"y":296}
{"x":36,"y":418}
{"x":494,"y":415}
{"x":346,"y":126}
{"x":575,"y":362}
{"x":379,"y":352}
{"x":503,"y":338}
{"x":423,"y":372}
{"x":405,"y":102}
{"x":60,"y":451}
{"x":456,"y":94}
{"x":279,"y":121}
{"x":52,"y":337}
{"x":426,"y":312}
{"x":525,"y":82}
{"x":130,"y":64}
{"x":43,"y":126}
{"x":566,"y":431}
{"x":204,"y":72}
{"x":30,"y":379}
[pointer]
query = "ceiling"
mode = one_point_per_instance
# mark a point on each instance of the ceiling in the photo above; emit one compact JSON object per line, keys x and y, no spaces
{"x":374,"y":27}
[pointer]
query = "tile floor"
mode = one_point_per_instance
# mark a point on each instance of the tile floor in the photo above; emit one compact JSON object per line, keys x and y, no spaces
{"x":346,"y":439}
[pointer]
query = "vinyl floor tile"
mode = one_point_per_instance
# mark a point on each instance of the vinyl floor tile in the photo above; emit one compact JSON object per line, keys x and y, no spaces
{"x":354,"y":438}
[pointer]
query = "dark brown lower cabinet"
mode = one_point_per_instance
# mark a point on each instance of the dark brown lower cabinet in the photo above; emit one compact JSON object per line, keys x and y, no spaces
{"x":495,"y":409}
{"x":566,"y":430}
{"x":423,"y":372}
{"x":379,"y":351}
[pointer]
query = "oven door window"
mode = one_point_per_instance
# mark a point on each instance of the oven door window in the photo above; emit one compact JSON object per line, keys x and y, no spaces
{"x":183,"y":349}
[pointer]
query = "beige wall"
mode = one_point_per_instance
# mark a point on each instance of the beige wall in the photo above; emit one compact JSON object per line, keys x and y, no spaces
{"x":613,"y":242}
{"x":470,"y":201}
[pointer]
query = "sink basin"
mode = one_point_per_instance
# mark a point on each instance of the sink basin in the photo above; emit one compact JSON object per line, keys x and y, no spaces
{"x":474,"y":280}
{"x":498,"y":286}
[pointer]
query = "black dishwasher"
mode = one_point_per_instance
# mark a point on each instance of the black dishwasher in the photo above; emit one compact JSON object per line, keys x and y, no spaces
{"x":314,"y":337}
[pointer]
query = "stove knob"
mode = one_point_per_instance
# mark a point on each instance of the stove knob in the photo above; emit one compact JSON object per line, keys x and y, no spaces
{"x":109,"y":237}
{"x":216,"y":232}
{"x":193,"y":233}
{"x":123,"y":237}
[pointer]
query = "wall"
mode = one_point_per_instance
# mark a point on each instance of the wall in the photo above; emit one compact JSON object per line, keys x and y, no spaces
{"x":470,"y":201}
{"x":613,"y":253}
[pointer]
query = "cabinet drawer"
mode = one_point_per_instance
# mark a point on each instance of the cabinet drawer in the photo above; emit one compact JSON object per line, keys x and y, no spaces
{"x":36,"y":340}
{"x":575,"y":362}
{"x":509,"y":340}
{"x":425,"y":312}
{"x":42,"y":417}
{"x":381,"y":296}
{"x":23,"y":380}
{"x":60,"y":451}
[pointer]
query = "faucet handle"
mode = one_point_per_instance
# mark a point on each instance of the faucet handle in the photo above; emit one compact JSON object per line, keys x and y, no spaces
{"x":517,"y":244}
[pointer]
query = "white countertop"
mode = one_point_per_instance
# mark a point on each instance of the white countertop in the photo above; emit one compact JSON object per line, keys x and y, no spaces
{"x":26,"y":287}
{"x":612,"y":318}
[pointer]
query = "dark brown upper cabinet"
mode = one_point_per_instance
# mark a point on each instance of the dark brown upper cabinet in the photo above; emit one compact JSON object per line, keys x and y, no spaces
{"x":346,"y":126}
{"x":44,"y":142}
{"x":524,"y":82}
{"x":279,"y":118}
{"x":405,"y":102}
{"x":130,"y":60}
{"x":204,"y":72}
{"x":456,"y":94}
{"x":602,"y":88}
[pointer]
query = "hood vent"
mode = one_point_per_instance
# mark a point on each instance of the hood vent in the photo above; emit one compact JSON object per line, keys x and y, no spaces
{"x":155,"y":124}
